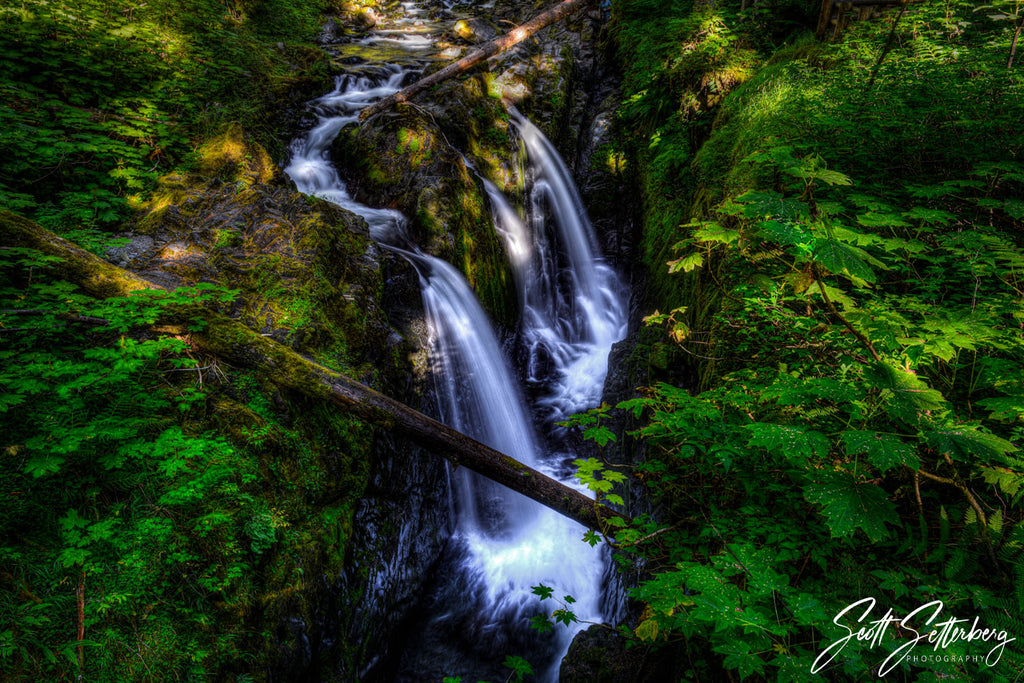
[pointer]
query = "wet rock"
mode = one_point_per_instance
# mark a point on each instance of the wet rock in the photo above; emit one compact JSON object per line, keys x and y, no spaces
{"x":515,"y":83}
{"x":404,"y":159}
{"x":306,"y":270}
{"x":140,"y":248}
{"x":599,"y":655}
{"x":475,"y":30}
{"x":330,"y":33}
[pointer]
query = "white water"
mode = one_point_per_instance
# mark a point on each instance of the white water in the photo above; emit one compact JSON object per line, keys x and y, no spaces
{"x":572,"y":302}
{"x":503,"y":543}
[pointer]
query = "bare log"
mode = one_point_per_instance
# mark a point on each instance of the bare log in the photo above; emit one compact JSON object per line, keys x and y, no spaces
{"x":488,"y":50}
{"x":228,"y":339}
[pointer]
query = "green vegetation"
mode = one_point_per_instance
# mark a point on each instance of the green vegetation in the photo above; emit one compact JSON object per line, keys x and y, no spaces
{"x":103,"y":97}
{"x":166,"y":516}
{"x":833,"y":236}
{"x":832,"y":362}
{"x":160,"y":514}
{"x":105,"y":494}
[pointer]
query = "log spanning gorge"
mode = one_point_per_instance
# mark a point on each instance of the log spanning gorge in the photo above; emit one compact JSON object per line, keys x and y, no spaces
{"x":572,"y":309}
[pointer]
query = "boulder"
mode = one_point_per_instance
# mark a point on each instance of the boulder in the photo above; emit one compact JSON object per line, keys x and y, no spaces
{"x":475,"y":30}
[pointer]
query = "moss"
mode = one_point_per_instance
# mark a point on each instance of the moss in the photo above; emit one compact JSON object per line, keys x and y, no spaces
{"x":404,"y":159}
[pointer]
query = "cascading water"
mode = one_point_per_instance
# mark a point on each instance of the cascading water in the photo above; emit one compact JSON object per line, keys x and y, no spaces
{"x":572,"y":305}
{"x":572,"y":302}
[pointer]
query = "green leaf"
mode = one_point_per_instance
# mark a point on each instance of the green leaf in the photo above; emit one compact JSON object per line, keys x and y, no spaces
{"x":788,"y":390}
{"x":543,"y":591}
{"x":686,"y":264}
{"x":42,"y":464}
{"x":713,"y":232}
{"x":772,"y":205}
{"x":933,"y":216}
{"x":883,"y":451}
{"x":788,"y":233}
{"x":844,"y":258}
{"x":791,"y":442}
{"x":738,"y":656}
{"x":613,"y":476}
{"x":540,"y":623}
{"x":601,"y":435}
{"x":849,"y":505}
{"x":1015,"y":208}
{"x":1009,"y":482}
{"x":910,"y":395}
{"x":520,"y":667}
{"x":564,"y":616}
{"x":964,"y":441}
{"x":1004,"y":407}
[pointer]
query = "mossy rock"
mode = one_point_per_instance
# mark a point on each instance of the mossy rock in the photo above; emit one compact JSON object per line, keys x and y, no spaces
{"x":599,"y":655}
{"x":309,"y":276}
{"x":307,"y":270}
{"x":403,"y":159}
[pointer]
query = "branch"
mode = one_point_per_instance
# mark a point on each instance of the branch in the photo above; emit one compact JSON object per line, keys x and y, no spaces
{"x":490,"y":49}
{"x":888,"y":46}
{"x":834,"y":311}
{"x":973,"y":502}
{"x":226,"y":338}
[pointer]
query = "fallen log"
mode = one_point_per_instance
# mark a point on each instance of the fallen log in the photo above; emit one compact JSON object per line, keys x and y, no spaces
{"x":230,"y":340}
{"x":488,"y":50}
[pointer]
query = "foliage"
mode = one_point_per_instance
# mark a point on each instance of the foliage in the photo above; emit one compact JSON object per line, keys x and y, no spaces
{"x":126,"y":519}
{"x":848,"y":288}
{"x":870,"y":392}
{"x":102,"y":97}
{"x":561,"y":615}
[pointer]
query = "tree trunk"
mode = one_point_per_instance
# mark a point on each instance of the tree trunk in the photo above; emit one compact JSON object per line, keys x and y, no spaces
{"x":80,"y":632}
{"x":1013,"y":43}
{"x":232,"y":341}
{"x":494,"y":47}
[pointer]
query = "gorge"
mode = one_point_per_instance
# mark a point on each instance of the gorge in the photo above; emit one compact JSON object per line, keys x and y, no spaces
{"x":572,"y":310}
{"x":727,"y":294}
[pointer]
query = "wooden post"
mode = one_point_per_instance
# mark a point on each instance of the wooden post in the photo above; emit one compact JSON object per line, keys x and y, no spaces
{"x":823,"y":18}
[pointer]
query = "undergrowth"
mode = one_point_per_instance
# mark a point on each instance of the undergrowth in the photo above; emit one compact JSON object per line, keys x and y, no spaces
{"x":834,"y":248}
{"x":103,"y":97}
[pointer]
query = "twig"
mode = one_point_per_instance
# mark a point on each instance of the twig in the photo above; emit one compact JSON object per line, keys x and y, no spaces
{"x":832,"y":309}
{"x":885,"y":50}
{"x":1013,"y":43}
{"x":649,"y":536}
{"x":982,"y":519}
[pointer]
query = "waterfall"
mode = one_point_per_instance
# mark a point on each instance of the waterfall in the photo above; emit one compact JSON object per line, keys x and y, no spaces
{"x":477,"y":395}
{"x":572,"y":302}
{"x":572,"y":305}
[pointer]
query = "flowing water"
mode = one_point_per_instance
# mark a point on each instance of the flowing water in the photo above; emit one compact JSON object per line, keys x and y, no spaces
{"x":572,"y":302}
{"x":572,"y":306}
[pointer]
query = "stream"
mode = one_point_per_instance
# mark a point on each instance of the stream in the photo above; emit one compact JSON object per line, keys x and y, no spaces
{"x":573,"y":308}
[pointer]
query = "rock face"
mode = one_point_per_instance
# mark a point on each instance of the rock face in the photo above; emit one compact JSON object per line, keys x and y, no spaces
{"x":599,"y":655}
{"x":330,"y":33}
{"x":405,"y":160}
{"x":366,"y":513}
{"x":474,"y":30}
{"x":308,"y":273}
